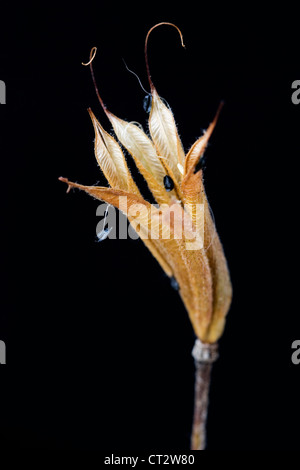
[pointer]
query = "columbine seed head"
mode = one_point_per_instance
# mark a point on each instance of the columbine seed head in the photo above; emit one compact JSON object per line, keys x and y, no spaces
{"x":173,"y":231}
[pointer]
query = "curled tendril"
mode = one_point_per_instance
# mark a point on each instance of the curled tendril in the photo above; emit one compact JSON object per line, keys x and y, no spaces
{"x":92,"y":56}
{"x":90,"y":63}
{"x":94,"y":50}
{"x":146,"y":47}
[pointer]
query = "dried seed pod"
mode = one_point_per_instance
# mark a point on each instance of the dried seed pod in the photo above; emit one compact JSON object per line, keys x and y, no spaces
{"x":198,"y":266}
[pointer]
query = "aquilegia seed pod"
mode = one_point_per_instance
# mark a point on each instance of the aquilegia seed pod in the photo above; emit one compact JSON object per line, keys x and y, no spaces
{"x":180,"y":232}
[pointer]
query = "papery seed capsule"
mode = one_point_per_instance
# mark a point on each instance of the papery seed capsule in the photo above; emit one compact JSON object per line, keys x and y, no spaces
{"x":147,"y":103}
{"x":168,"y":183}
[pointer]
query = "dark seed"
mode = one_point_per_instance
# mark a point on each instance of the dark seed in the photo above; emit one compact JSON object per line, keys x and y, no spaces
{"x":201,"y":164}
{"x":174,"y":283}
{"x":147,"y":103}
{"x":168,"y":183}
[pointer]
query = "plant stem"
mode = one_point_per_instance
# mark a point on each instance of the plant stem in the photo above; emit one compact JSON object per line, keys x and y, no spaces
{"x":204,"y":355}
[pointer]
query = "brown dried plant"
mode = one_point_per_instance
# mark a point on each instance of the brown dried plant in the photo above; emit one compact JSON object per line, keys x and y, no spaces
{"x":176,"y":181}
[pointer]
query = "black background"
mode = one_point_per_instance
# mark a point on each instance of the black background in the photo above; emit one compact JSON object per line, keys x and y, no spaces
{"x":98,"y":343}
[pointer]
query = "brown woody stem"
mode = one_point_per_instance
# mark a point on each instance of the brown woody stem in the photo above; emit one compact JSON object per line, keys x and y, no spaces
{"x":204,"y":355}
